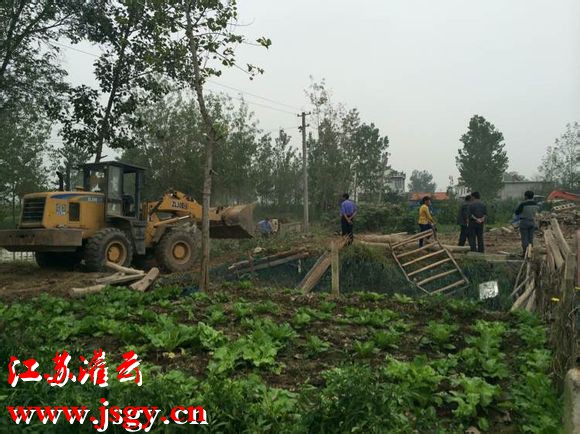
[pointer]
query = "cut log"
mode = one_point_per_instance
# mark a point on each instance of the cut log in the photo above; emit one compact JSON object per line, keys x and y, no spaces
{"x":119,"y":278}
{"x":77,"y":292}
{"x":270,"y":264}
{"x":453,"y":249}
{"x":147,"y":281}
{"x":388,"y":239}
{"x":122,"y":269}
{"x":255,"y":262}
{"x":488,"y":256}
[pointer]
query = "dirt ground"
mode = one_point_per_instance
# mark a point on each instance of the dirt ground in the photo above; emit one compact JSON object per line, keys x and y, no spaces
{"x":25,"y":279}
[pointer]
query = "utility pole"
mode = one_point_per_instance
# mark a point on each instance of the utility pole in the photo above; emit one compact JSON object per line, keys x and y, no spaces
{"x":306,"y":223}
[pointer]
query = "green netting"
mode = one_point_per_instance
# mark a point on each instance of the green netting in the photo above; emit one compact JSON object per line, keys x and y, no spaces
{"x":372,"y":269}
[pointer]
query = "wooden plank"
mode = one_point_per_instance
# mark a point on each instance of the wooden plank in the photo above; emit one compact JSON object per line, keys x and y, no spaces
{"x":271,"y":264}
{"x":457,"y":266}
{"x":437,"y":276}
{"x":143,"y":284}
{"x":422,"y":258}
{"x":119,"y":278}
{"x":520,"y":285}
{"x":335,"y":269}
{"x":560,"y":240}
{"x":531,"y":303}
{"x":428,"y":267}
{"x":420,"y":249}
{"x":417,"y":237}
{"x":522,"y":298}
{"x":453,"y":285}
{"x":317,"y":271}
{"x":554,"y":249}
{"x":77,"y":292}
{"x":122,"y":269}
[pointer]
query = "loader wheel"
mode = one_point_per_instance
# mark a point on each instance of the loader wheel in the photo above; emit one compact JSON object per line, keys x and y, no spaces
{"x":57,"y":260}
{"x":110,"y":244}
{"x":176,"y":251}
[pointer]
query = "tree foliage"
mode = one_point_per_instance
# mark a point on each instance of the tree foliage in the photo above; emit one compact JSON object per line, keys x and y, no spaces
{"x":561,"y":163}
{"x":126,"y":31}
{"x":421,"y":181}
{"x":482,"y":161}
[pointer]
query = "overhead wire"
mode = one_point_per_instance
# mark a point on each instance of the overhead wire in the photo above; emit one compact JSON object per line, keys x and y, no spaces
{"x":213,"y":83}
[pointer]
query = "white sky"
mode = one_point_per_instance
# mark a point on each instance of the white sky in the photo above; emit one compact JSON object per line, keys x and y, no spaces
{"x":418,"y":69}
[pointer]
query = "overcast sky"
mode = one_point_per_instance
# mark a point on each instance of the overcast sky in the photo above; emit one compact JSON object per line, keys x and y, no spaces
{"x":418,"y":69}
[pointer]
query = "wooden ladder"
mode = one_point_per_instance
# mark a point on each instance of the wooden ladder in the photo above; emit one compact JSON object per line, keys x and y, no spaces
{"x":427,"y":267}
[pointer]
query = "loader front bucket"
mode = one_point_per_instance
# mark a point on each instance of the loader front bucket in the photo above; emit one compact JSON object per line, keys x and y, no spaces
{"x":232,"y":222}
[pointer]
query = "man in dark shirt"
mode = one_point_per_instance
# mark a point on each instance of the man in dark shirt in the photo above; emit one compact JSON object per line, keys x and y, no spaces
{"x":477,"y":216}
{"x":463,"y":220}
{"x":526,"y":211}
{"x":348,"y":210}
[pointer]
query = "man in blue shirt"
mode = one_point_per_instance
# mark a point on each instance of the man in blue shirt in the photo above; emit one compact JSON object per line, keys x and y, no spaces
{"x":348,"y":211}
{"x":265,"y":227}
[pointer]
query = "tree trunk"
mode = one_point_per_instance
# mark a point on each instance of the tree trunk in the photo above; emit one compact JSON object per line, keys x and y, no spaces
{"x":104,"y":131}
{"x":13,"y":208}
{"x":211,"y":138}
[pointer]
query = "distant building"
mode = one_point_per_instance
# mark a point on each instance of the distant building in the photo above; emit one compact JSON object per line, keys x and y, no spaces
{"x":516,"y":189}
{"x":395,"y":181}
{"x":435,"y":197}
{"x":510,"y":189}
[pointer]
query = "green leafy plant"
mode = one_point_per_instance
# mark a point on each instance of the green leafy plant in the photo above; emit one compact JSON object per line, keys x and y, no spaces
{"x":439,"y":334}
{"x":403,"y":299}
{"x":167,"y":335}
{"x":364,"y":350}
{"x":474,"y":393}
{"x":387,"y":339}
{"x":315,"y":345}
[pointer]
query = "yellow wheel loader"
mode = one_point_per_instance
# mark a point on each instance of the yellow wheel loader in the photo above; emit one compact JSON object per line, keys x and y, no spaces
{"x":107,"y":220}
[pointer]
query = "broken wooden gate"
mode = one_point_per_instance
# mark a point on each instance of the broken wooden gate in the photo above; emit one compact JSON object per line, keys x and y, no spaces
{"x":429,"y":267}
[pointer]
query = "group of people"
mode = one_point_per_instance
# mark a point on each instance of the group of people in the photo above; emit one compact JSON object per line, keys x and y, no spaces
{"x":471,"y":219}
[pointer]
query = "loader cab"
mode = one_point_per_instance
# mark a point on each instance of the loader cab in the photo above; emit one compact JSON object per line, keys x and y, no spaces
{"x":120,"y":183}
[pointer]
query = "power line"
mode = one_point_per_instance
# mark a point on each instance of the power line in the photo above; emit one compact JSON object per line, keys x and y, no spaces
{"x":214,"y":83}
{"x":254,"y":95}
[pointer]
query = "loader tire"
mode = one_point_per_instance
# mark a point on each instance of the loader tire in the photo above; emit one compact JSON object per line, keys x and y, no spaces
{"x":110,"y":244}
{"x":176,"y":252}
{"x":58,"y":260}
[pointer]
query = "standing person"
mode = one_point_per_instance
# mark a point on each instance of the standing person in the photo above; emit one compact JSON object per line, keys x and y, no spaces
{"x":463,"y":220}
{"x":265,"y":227}
{"x":426,"y":220}
{"x":477,"y":216}
{"x":526,"y":211}
{"x":348,"y":210}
